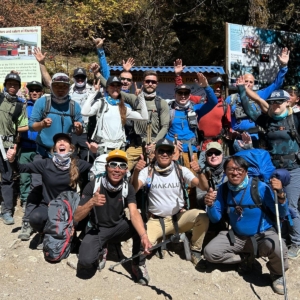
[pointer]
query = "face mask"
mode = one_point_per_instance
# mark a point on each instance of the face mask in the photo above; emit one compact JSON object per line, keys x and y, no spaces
{"x":80,"y":85}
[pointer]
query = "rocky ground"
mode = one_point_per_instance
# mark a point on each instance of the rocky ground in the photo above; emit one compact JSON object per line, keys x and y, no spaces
{"x":26,"y":275}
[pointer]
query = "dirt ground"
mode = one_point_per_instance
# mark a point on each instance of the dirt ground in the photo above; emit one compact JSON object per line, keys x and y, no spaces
{"x":26,"y":275}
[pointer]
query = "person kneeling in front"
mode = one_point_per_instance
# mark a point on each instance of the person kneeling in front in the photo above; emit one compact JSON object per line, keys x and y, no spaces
{"x":166,"y":199}
{"x":105,"y":199}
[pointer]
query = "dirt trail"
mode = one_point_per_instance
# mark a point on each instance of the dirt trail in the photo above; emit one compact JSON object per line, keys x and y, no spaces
{"x":26,"y":275}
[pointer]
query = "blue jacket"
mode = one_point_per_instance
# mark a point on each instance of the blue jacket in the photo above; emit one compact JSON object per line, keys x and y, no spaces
{"x":103,"y":63}
{"x":59,"y":124}
{"x":246,"y":124}
{"x":179,"y":124}
{"x":28,"y":138}
{"x":254,"y":220}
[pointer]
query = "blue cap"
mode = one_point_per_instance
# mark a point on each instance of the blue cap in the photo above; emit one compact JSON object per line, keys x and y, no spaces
{"x":279,"y":95}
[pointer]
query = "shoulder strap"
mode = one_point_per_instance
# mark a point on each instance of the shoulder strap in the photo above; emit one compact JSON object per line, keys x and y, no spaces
{"x":72,"y":110}
{"x":1,"y":98}
{"x":17,"y":112}
{"x":158,"y":108}
{"x":225,"y":192}
{"x":136,"y":104}
{"x":47,"y":106}
{"x":233,"y":98}
{"x":225,"y":107}
{"x":178,"y":170}
{"x":294,"y":132}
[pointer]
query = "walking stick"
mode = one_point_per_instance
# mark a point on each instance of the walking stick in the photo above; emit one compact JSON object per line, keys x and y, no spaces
{"x":280,"y":245}
{"x":149,"y":131}
{"x":180,"y":152}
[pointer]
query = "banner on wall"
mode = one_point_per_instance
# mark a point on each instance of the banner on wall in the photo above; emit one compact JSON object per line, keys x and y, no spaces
{"x":255,"y":50}
{"x":16,"y":53}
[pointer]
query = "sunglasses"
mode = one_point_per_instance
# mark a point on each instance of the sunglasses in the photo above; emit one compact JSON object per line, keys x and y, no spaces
{"x":275,"y":101}
{"x":124,"y":78}
{"x":38,"y":90}
{"x":115,"y":164}
{"x":216,"y":153}
{"x":80,"y":77}
{"x":115,"y":85}
{"x":148,"y":81}
{"x":183,"y":93}
{"x":163,"y":151}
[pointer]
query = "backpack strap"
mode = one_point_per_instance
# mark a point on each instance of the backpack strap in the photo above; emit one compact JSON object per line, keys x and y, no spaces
{"x":1,"y":98}
{"x":99,"y":115}
{"x":178,"y":170}
{"x":17,"y":112}
{"x":294,"y":132}
{"x":158,"y":108}
{"x":72,"y":110}
{"x":47,"y":107}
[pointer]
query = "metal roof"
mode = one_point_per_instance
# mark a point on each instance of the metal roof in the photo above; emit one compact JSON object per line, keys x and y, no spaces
{"x":167,"y":69}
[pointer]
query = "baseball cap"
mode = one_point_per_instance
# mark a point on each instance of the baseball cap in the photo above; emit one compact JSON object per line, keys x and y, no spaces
{"x":164,"y":143}
{"x":79,"y":71}
{"x":34,"y":83}
{"x":279,"y":95}
{"x":216,"y":79}
{"x":117,"y":154}
{"x":214,"y":145}
{"x":182,"y":87}
{"x":62,"y":135}
{"x":12,"y":76}
{"x":61,"y":77}
{"x":113,"y":79}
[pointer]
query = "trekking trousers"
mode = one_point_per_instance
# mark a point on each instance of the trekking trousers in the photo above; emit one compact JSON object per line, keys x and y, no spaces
{"x":219,"y":250}
{"x":191,"y":219}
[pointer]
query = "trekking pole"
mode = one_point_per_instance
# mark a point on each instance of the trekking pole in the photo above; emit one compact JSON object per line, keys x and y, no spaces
{"x":174,"y":239}
{"x":280,"y":245}
{"x":149,"y":130}
{"x":211,"y":183}
{"x":180,"y":152}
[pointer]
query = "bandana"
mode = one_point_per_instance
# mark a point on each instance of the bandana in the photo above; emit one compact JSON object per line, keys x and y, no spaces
{"x":164,"y":172}
{"x":9,"y":97}
{"x":62,"y":161}
{"x":112,"y":101}
{"x":281,"y":116}
{"x":147,"y":96}
{"x":241,"y":186}
{"x":178,"y":106}
{"x":108,"y":186}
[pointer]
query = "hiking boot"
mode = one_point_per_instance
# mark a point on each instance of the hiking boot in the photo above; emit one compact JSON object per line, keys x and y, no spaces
{"x":102,"y":259}
{"x":141,"y":274}
{"x":195,"y":257}
{"x":26,"y":231}
{"x":294,"y":251}
{"x":40,"y":244}
{"x":277,"y":284}
{"x":7,"y":218}
{"x":246,"y":265}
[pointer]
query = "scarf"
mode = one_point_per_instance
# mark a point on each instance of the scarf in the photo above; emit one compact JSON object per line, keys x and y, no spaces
{"x":62,"y":161}
{"x":9,"y":97}
{"x":241,"y":186}
{"x":178,"y":106}
{"x":147,"y":96}
{"x":108,"y":186}
{"x":60,"y":100}
{"x":281,"y":116}
{"x":166,"y":171}
{"x":112,"y":101}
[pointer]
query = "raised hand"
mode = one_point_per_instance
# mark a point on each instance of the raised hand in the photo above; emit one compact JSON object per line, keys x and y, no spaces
{"x":240,"y":81}
{"x":210,"y":197}
{"x":97,"y":85}
{"x":11,"y":153}
{"x":40,"y":57}
{"x":284,"y":57}
{"x":178,"y":67}
{"x":98,"y":199}
{"x":92,"y":146}
{"x":202,"y":81}
{"x":98,"y":42}
{"x":141,"y":164}
{"x":195,"y":165}
{"x":128,"y":64}
{"x":137,"y":90}
{"x":94,"y":68}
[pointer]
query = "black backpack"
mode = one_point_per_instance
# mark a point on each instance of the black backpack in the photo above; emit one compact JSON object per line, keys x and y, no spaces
{"x":59,"y":228}
{"x":48,"y":107}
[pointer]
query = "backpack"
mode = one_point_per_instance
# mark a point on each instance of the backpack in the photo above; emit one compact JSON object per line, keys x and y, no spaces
{"x":59,"y":228}
{"x":17,"y":112}
{"x":48,"y":107}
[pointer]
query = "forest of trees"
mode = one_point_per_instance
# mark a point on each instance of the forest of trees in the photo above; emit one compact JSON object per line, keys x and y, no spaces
{"x":154,"y":32}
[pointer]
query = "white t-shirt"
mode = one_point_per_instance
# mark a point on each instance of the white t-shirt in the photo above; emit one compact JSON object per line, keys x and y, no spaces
{"x":166,"y":195}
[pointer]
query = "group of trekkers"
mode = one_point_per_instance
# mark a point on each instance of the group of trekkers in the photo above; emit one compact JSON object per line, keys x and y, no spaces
{"x":152,"y":170}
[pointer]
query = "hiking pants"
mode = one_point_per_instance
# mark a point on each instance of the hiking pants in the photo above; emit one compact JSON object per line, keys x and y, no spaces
{"x":220,"y":250}
{"x":191,"y":219}
{"x":97,"y":238}
{"x":293,"y":195}
{"x":79,"y":141}
{"x":26,"y":156}
{"x":7,"y":186}
{"x":38,"y":217}
{"x":134,"y":155}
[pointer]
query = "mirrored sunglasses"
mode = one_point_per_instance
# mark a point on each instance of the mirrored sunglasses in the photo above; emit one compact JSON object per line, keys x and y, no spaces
{"x":280,"y":101}
{"x":115,"y":164}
